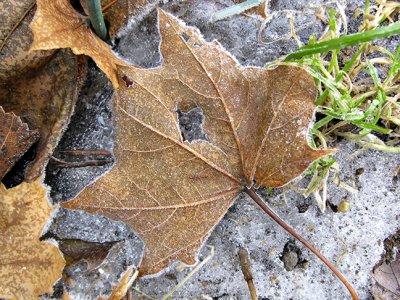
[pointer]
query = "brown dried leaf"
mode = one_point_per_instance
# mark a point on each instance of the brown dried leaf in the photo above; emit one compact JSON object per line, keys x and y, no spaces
{"x":386,"y":280}
{"x":92,"y":253}
{"x":57,"y":24}
{"x":28,"y":266}
{"x":173,"y":192}
{"x":15,"y":140}
{"x":82,"y":281}
{"x":40,"y":86}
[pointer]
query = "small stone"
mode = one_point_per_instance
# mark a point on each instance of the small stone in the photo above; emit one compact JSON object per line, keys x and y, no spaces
{"x":343,"y":206}
{"x":290,"y":260}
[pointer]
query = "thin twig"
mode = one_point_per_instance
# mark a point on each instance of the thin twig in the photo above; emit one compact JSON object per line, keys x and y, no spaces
{"x":80,"y":164}
{"x":290,"y":230}
{"x":17,"y":24}
{"x":85,"y":153}
{"x":246,"y":270}
{"x":107,"y":6}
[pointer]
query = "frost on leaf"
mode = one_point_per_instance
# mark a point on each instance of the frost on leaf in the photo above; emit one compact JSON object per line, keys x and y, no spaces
{"x":28,"y":267}
{"x":15,"y":140}
{"x":41,"y":87}
{"x":173,"y":192}
{"x":57,"y":24}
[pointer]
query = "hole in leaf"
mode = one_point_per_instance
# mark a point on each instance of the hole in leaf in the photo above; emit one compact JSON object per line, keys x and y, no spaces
{"x":185,"y":37}
{"x":191,"y":124}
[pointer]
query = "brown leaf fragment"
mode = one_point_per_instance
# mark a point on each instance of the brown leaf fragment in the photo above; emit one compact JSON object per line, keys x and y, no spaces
{"x":58,"y":25}
{"x":15,"y":140}
{"x":173,"y":192}
{"x":125,"y":283}
{"x":39,"y":86}
{"x":106,"y":280}
{"x":386,"y":280}
{"x":28,"y":267}
{"x":92,"y":253}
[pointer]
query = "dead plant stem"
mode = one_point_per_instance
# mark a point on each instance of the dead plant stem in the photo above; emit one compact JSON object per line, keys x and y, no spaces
{"x":251,"y":192}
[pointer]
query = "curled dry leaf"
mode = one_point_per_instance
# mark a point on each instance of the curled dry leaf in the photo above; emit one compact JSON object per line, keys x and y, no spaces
{"x":91,"y":275}
{"x":58,"y":25}
{"x":40,"y":86}
{"x":173,"y":192}
{"x":28,"y":266}
{"x":15,"y":140}
{"x":91,"y":253}
{"x":119,"y":291}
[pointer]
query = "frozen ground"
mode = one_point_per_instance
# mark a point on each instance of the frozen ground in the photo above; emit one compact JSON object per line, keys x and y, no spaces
{"x":353,"y":241}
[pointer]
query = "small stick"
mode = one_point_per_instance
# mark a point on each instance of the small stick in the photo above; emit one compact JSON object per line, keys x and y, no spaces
{"x":80,"y":164}
{"x":246,"y":270}
{"x":107,"y":6}
{"x":290,"y":230}
{"x":85,"y":153}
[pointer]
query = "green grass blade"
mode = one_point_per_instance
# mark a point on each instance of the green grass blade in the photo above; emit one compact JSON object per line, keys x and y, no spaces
{"x":346,"y":41}
{"x":395,"y":66}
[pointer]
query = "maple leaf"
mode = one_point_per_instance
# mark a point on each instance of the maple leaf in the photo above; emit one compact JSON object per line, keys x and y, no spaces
{"x":28,"y":267}
{"x":40,"y":86}
{"x":172,"y":192}
{"x":57,"y":24}
{"x":15,"y":140}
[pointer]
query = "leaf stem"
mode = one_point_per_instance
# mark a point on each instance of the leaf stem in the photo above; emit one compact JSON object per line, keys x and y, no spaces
{"x":290,"y":230}
{"x":60,"y":163}
{"x":97,"y":19}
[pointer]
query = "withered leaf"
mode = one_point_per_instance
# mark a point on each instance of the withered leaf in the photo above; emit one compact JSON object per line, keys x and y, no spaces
{"x":15,"y":140}
{"x":28,"y":267}
{"x":57,"y":24}
{"x":40,"y":86}
{"x":385,"y":280}
{"x":84,"y":281}
{"x":76,"y":250}
{"x":173,"y":192}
